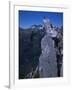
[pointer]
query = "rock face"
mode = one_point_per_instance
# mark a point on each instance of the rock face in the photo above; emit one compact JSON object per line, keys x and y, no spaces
{"x":36,"y":48}
{"x":29,"y":50}
{"x":47,"y":60}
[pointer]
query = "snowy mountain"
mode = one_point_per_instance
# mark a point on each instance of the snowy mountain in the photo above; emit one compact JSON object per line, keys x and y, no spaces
{"x":37,"y":27}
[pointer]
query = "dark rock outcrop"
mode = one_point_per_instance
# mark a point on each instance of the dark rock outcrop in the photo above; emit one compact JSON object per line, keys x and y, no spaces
{"x":29,"y":50}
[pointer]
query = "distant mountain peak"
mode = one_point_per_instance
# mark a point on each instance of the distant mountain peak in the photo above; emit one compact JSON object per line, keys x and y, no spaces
{"x":37,"y":26}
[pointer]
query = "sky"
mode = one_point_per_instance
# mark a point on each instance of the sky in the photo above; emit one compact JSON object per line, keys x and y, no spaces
{"x":29,"y":18}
